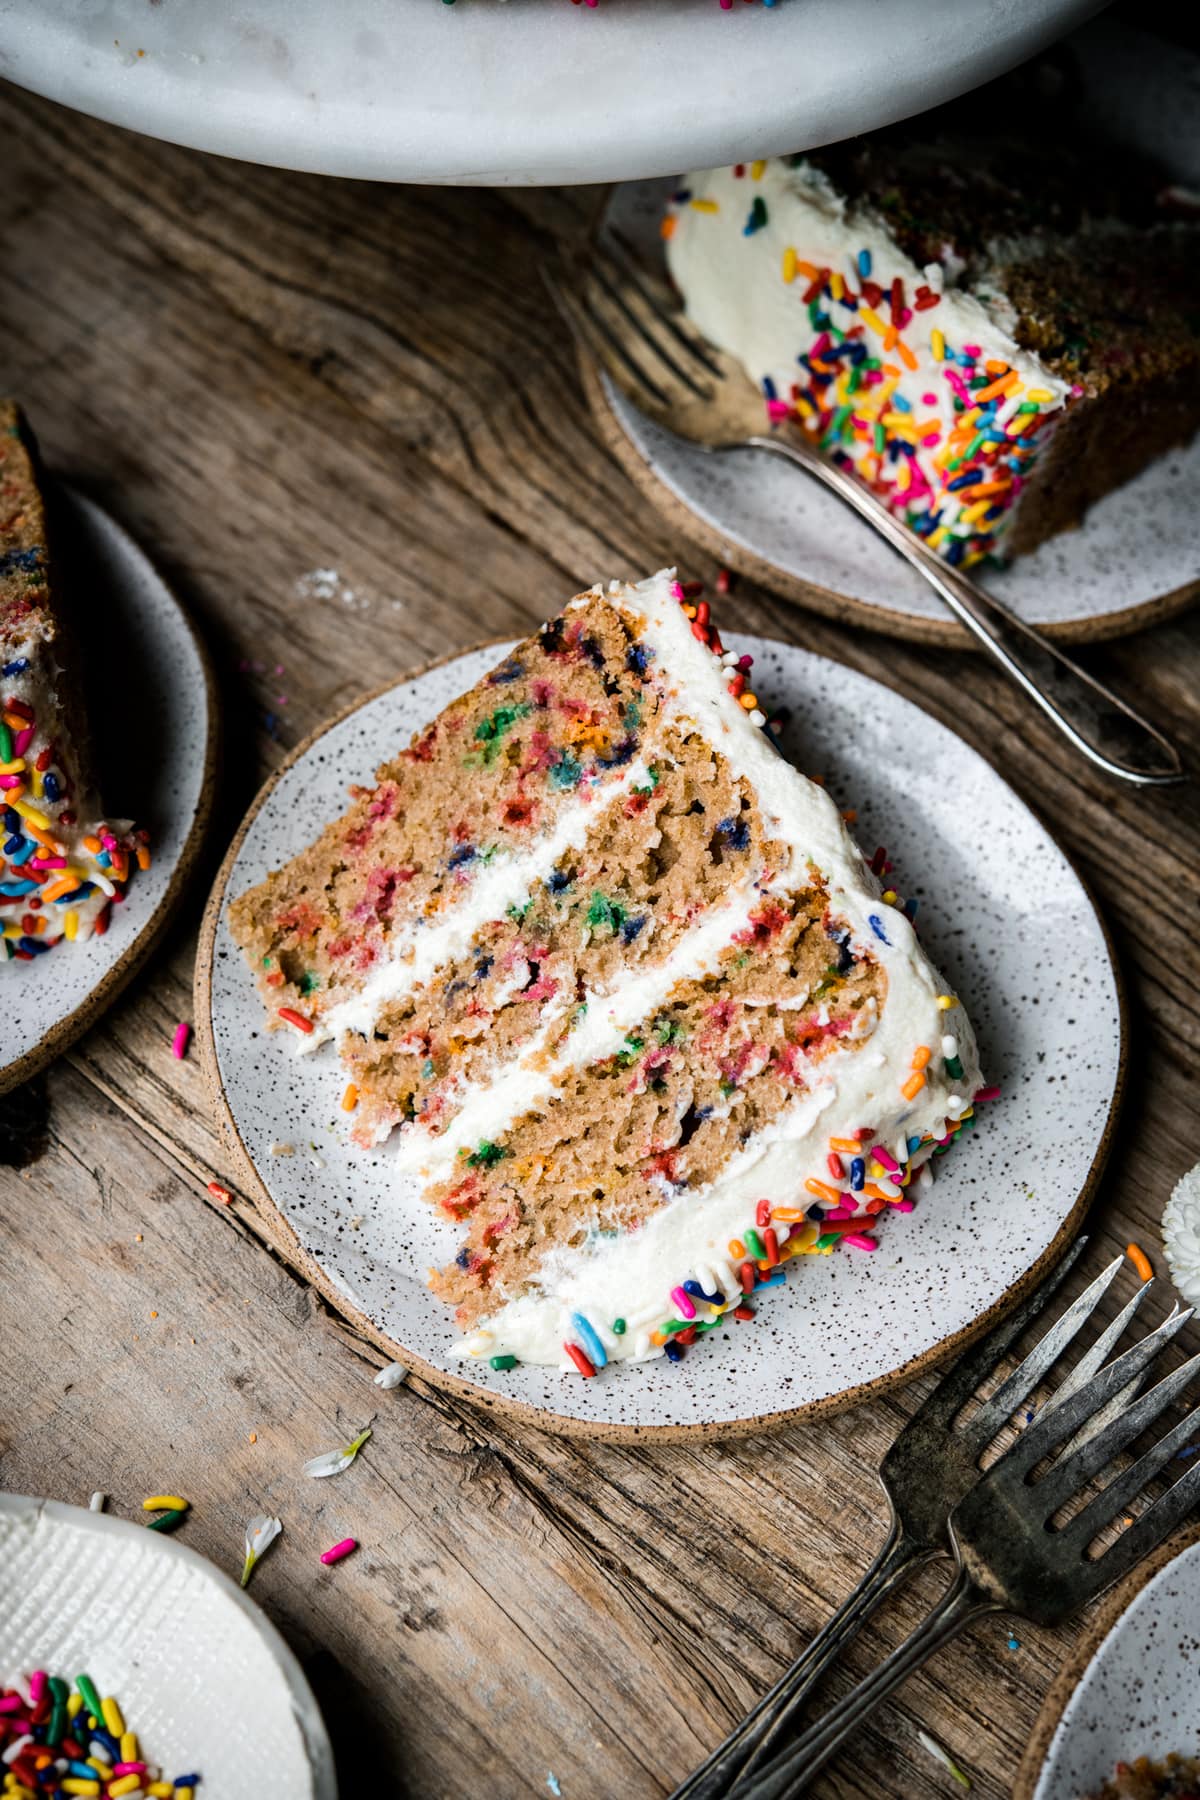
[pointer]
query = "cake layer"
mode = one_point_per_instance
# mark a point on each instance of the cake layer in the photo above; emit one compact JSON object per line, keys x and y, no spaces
{"x":62,"y":864}
{"x":936,"y":325}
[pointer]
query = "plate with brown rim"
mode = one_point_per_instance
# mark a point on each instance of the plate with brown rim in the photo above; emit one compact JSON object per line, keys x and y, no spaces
{"x":1003,"y":913}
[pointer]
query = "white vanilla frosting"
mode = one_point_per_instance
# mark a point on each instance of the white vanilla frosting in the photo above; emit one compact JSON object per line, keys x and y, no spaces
{"x":734,"y":289}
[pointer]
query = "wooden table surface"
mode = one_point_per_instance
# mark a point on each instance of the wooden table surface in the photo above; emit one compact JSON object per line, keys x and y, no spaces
{"x":264,"y":375}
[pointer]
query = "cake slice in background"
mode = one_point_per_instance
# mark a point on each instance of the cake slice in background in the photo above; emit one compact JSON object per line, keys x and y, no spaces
{"x":62,"y":863}
{"x":642,"y":1019}
{"x":988,"y":313}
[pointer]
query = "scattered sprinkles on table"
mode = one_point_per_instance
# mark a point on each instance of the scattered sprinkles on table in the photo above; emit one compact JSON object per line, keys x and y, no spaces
{"x":62,"y":865}
{"x":59,"y":1737}
{"x":338,"y":1552}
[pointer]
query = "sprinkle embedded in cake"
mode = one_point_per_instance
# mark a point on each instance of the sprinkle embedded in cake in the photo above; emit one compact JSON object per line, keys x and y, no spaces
{"x":62,"y":863}
{"x":643,"y":1022}
{"x":992,"y":336}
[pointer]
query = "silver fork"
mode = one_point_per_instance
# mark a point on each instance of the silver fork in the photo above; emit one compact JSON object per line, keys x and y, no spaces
{"x":1008,"y":1554}
{"x":930,"y":1466}
{"x":633,"y":326}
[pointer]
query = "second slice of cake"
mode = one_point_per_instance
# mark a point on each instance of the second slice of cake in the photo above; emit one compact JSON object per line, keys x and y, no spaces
{"x":993,"y":330}
{"x":617,"y":975}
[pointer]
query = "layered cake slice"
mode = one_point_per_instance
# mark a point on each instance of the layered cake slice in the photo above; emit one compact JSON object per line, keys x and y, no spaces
{"x":62,"y":863}
{"x":644,"y":1023}
{"x":993,"y":330}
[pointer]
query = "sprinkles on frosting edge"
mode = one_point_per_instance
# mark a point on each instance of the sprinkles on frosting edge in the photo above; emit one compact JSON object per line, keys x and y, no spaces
{"x":950,"y":462}
{"x":61,"y":867}
{"x":57,"y":882}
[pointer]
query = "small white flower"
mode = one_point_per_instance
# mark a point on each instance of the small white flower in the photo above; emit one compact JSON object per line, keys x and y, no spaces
{"x":392,"y":1376}
{"x":332,"y":1462}
{"x":261,"y":1533}
{"x":1181,"y":1234}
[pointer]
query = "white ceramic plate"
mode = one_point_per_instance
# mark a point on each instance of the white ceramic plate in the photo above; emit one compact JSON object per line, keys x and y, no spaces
{"x":200,"y":1673}
{"x":1135,"y":558}
{"x":1002,"y":912}
{"x":157,"y":754}
{"x":534,"y":91}
{"x":1139,"y":1690}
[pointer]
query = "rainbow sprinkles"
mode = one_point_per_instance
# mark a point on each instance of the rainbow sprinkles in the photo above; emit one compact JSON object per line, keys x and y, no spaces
{"x":635,"y":1012}
{"x":918,"y":387}
{"x":63,"y":866}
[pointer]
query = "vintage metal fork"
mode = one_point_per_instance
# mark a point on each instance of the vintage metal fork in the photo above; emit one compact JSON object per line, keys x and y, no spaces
{"x":631,"y":323}
{"x":931,"y":1465}
{"x":1009,"y":1555}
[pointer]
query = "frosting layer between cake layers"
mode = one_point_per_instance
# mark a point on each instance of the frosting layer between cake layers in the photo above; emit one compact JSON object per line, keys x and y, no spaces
{"x":919,"y":384}
{"x":890,"y":1079}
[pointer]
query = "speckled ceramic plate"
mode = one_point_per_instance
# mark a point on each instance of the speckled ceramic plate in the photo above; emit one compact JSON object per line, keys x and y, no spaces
{"x":1131,"y":1686}
{"x":157,"y":754}
{"x":1133,"y":562}
{"x":1002,"y":912}
{"x":201,"y":1674}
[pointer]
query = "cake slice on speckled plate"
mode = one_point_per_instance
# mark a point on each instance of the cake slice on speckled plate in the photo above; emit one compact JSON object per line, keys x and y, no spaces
{"x":62,"y":863}
{"x":642,"y":1019}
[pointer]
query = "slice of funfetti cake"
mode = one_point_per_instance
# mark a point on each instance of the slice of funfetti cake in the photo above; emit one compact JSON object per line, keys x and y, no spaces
{"x":643,"y":1019}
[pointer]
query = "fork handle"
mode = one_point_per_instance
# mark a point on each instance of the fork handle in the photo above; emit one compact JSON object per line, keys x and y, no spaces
{"x":1099,"y":724}
{"x":730,"y":1761}
{"x":789,"y":1773}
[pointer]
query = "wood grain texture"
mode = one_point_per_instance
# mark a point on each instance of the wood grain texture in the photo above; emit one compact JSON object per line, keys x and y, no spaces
{"x":262,"y":375}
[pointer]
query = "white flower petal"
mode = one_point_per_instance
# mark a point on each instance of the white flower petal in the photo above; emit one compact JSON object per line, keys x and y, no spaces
{"x":392,"y":1376}
{"x":332,"y":1462}
{"x":944,"y":1757}
{"x":261,"y":1533}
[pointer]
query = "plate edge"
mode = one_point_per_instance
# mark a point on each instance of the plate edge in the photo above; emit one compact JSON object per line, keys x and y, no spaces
{"x":306,"y":1710}
{"x":1083,"y":1652}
